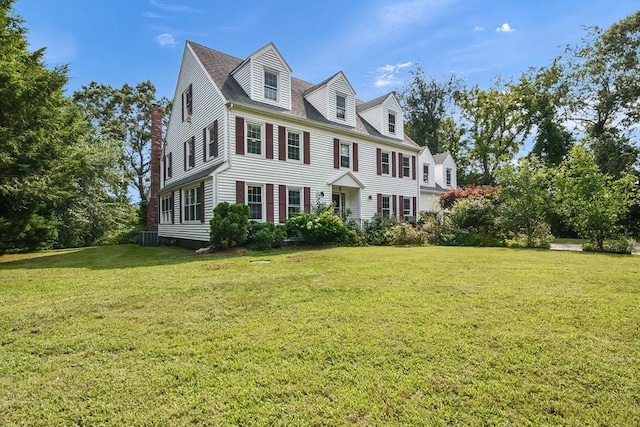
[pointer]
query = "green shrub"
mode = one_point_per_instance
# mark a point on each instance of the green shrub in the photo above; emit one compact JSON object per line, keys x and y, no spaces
{"x":265,"y":235}
{"x":541,"y":238}
{"x":317,"y":228}
{"x":376,"y":229}
{"x":621,"y":245}
{"x":229,"y":225}
{"x":433,"y":224}
{"x":405,"y":234}
{"x":473,"y":221}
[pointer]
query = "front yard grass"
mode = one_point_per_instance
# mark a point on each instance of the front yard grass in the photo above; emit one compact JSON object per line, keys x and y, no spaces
{"x":126,"y":335}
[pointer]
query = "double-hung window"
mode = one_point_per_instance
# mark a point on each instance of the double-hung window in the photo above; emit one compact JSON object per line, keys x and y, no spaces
{"x":254,"y":201}
{"x":293,"y":202}
{"x":406,"y":208}
{"x":448,"y":177}
{"x":212,"y":135}
{"x":293,"y":146}
{"x":392,"y":123}
{"x":406,"y":166}
{"x":187,"y":103}
{"x":168,"y":167}
{"x":254,"y":139}
{"x":190,"y":152}
{"x":341,"y":107}
{"x":166,"y":210}
{"x":425,"y":173}
{"x":386,"y":206}
{"x":345,"y":155}
{"x":191,"y":204}
{"x":270,"y":85}
{"x":384,"y":160}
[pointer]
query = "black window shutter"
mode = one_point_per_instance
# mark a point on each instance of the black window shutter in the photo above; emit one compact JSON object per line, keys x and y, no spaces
{"x":201,"y":200}
{"x":204,"y":144}
{"x":215,"y":138}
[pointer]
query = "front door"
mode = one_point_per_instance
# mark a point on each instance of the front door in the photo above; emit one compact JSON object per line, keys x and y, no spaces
{"x":338,"y":203}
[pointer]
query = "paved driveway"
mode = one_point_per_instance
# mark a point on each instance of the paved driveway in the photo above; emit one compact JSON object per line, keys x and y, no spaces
{"x":575,"y":247}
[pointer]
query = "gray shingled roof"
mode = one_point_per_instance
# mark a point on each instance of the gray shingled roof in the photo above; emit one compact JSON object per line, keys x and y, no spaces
{"x":373,"y":103}
{"x":440,"y":157}
{"x":201,"y":174}
{"x":437,"y":189}
{"x":219,"y":66}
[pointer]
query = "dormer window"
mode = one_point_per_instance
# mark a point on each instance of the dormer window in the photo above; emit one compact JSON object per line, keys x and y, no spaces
{"x":392,"y":123}
{"x":341,"y":107}
{"x":270,"y":85}
{"x":448,"y":177}
{"x":425,"y":173}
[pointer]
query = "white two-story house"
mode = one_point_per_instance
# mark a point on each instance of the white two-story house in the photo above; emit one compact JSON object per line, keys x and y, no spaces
{"x":247,"y":131}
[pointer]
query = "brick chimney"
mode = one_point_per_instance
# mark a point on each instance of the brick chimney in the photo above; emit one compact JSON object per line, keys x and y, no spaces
{"x":154,"y":166}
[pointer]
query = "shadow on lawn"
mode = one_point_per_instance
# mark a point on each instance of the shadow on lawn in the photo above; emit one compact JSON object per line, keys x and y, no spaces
{"x":129,"y":256}
{"x":100,"y":258}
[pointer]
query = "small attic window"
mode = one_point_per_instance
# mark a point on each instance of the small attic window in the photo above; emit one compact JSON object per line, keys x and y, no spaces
{"x":341,"y":107}
{"x":270,"y":85}
{"x":392,"y":122}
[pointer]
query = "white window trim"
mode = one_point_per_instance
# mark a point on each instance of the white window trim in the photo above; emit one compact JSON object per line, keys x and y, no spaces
{"x":300,"y":206}
{"x":348,"y":144}
{"x":346,"y":103}
{"x":300,"y":146}
{"x":404,"y":201}
{"x":408,"y":160}
{"x":168,"y":212}
{"x":395,"y":122}
{"x":210,"y":129}
{"x":388,"y":163}
{"x":262,"y":138}
{"x":426,"y":181}
{"x":196,"y":220}
{"x":382,"y":209}
{"x":265,"y":86}
{"x":188,"y":101}
{"x":263,"y":201}
{"x":191,"y":150}
{"x":448,"y":179}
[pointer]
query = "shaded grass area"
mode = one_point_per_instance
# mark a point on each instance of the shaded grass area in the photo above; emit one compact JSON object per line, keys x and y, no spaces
{"x":128,"y":335}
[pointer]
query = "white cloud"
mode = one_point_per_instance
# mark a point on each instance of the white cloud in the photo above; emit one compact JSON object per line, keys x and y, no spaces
{"x":170,"y":7}
{"x":504,"y":28}
{"x":478,"y":28}
{"x":151,"y":15}
{"x":165,"y":39}
{"x":387,"y":74}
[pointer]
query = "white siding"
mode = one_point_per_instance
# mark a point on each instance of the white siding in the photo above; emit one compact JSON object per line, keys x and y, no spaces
{"x":318,"y":175}
{"x":318,"y":98}
{"x":426,"y":157}
{"x":208,"y":106}
{"x":269,"y":60}
{"x":378,"y":117}
{"x":243,"y":77}
{"x":339,"y":86}
{"x":391,"y":105}
{"x":429,"y":202}
{"x":374,"y":117}
{"x":199,"y":231}
{"x":440,"y":173}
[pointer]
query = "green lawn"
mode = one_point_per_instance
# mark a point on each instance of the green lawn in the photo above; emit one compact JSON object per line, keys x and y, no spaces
{"x":127,"y":335}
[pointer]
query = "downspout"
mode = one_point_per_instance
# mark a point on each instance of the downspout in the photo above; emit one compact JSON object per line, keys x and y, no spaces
{"x":227,"y":156}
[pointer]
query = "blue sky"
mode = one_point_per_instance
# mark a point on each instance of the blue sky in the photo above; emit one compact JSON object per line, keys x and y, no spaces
{"x":374,"y":43}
